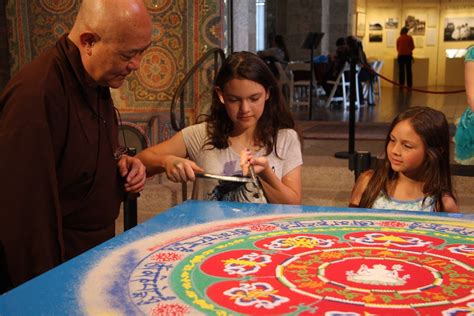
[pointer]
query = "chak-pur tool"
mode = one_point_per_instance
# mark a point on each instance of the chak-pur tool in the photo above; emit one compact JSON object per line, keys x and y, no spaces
{"x":252,"y":179}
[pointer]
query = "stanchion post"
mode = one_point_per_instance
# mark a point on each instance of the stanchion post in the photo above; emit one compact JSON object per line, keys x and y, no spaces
{"x":312,"y":41}
{"x":361,"y":162}
{"x":130,"y":213}
{"x":352,"y":99}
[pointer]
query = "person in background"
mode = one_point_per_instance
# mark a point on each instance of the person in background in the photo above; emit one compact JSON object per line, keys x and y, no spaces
{"x":334,"y":66}
{"x":414,"y":174}
{"x":63,"y":173}
{"x":464,"y":138}
{"x":346,"y":48}
{"x":248,"y":124}
{"x":277,"y":50}
{"x":276,"y":57}
{"x":405,"y":47}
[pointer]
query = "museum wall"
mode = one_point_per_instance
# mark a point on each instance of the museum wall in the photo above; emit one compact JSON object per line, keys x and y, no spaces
{"x":437,"y":25}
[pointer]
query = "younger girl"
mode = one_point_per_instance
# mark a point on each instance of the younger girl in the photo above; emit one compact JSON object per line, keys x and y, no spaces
{"x":414,"y":175}
{"x":248,"y":124}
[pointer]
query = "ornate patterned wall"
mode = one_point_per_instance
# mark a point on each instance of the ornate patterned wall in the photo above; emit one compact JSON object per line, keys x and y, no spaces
{"x":183,"y":30}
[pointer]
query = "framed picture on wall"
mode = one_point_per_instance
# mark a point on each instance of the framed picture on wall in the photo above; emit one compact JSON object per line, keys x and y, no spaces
{"x":360,"y":22}
{"x":391,"y":23}
{"x":375,"y":26}
{"x":375,"y":37}
{"x":415,"y":25}
{"x":459,"y":29}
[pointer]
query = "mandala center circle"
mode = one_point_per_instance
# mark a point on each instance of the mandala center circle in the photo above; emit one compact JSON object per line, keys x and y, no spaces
{"x":337,"y":275}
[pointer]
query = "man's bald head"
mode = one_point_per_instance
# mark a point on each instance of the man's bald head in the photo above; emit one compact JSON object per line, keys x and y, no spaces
{"x":110,"y":18}
{"x":111,"y":36}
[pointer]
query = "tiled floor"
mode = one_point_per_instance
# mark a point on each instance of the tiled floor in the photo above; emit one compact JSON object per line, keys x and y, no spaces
{"x":327,"y":180}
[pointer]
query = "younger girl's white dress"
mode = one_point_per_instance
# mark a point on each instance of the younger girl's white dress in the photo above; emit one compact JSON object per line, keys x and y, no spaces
{"x":386,"y":202}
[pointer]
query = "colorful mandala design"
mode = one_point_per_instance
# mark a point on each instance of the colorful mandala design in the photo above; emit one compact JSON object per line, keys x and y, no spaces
{"x":316,"y":264}
{"x":57,"y":6}
{"x":157,"y":69}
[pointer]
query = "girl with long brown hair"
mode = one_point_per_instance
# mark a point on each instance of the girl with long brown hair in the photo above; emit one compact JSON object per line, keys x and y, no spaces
{"x":414,"y":174}
{"x":248,"y":125}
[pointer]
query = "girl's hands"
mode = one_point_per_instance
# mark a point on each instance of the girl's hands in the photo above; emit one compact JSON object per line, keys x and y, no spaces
{"x":181,"y":169}
{"x":247,"y":159}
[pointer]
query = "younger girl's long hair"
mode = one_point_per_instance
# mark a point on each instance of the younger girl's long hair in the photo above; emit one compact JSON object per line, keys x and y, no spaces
{"x":276,"y":116}
{"x":433,"y":129}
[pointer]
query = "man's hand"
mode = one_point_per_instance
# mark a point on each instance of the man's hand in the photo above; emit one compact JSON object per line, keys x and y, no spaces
{"x":133,"y":170}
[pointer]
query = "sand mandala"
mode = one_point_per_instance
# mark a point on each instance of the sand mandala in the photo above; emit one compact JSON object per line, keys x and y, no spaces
{"x":312,"y":264}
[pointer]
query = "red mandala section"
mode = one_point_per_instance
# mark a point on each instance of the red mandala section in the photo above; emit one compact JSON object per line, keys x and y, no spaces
{"x":386,"y":278}
{"x":240,"y":263}
{"x":381,"y":273}
{"x":298,"y":243}
{"x":169,"y":309}
{"x":461,"y":252}
{"x":260,"y":296}
{"x":393,"y":240}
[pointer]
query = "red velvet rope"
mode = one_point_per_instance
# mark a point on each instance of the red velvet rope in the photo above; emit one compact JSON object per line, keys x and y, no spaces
{"x":412,"y":89}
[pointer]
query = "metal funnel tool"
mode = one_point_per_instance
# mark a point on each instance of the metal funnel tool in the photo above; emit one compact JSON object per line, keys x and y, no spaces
{"x":223,"y":178}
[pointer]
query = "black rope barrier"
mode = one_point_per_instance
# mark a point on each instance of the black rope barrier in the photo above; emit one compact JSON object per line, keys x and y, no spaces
{"x":408,"y":88}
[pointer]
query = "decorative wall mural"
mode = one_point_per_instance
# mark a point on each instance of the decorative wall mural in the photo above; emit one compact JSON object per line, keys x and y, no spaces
{"x":157,"y":6}
{"x":36,"y":26}
{"x":182,"y":32}
{"x":57,"y":6}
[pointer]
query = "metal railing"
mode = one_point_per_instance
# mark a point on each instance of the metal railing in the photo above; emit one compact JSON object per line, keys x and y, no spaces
{"x":219,"y":57}
{"x":217,"y":53}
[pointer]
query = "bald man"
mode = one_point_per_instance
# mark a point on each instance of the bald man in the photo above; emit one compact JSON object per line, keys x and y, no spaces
{"x":62,"y":175}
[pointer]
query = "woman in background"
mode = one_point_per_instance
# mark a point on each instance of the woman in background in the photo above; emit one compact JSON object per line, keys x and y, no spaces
{"x":405,"y":47}
{"x":277,"y":50}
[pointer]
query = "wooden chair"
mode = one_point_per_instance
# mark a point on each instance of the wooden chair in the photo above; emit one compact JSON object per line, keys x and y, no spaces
{"x":300,"y":76}
{"x":284,"y":78}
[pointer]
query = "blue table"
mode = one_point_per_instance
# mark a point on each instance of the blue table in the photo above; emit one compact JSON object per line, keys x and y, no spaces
{"x":133,"y":272}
